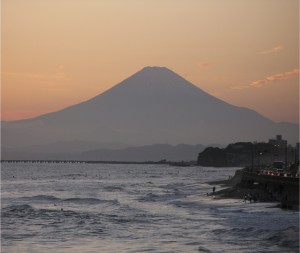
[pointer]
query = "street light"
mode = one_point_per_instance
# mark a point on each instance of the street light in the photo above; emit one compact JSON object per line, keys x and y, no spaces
{"x":259,"y":154}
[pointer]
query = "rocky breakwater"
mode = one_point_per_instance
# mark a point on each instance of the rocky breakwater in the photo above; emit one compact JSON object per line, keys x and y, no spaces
{"x":262,"y":188}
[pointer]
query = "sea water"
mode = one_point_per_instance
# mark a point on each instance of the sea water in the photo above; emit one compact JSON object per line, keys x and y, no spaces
{"x":133,"y":208}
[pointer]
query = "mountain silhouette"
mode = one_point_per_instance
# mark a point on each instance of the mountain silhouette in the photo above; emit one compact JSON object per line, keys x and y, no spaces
{"x":155,"y":105}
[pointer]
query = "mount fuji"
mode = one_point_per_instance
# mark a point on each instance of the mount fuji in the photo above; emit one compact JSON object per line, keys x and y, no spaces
{"x":155,"y":105}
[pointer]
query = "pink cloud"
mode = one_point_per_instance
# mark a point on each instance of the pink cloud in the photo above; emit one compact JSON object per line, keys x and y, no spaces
{"x":272,"y":50}
{"x":260,"y":83}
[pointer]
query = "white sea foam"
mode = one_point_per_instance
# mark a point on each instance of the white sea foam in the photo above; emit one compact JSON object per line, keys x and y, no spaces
{"x":134,"y":208}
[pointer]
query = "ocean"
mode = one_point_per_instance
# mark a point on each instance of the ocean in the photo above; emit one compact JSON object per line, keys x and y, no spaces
{"x":79,"y":207}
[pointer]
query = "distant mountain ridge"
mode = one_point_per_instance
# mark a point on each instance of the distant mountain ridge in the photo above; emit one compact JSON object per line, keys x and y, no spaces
{"x":153,"y":153}
{"x":155,"y":105}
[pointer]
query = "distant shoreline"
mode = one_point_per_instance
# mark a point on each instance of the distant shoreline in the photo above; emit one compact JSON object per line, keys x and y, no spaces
{"x":181,"y":164}
{"x":78,"y":161}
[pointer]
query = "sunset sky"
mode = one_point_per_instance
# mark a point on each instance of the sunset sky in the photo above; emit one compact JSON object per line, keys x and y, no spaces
{"x":56,"y":53}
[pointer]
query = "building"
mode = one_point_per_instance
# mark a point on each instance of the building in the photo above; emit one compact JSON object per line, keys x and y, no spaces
{"x":278,"y":142}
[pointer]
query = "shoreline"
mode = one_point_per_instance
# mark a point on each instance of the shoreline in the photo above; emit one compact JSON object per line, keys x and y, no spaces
{"x":237,"y":188}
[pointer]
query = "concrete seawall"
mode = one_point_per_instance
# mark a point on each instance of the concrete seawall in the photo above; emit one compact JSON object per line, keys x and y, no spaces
{"x":282,"y":189}
{"x":265,"y":188}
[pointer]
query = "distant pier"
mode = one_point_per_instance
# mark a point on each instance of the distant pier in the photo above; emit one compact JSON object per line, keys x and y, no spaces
{"x":42,"y":161}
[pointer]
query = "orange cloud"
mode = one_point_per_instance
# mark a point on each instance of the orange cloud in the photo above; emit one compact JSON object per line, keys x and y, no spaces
{"x":272,"y":50}
{"x":57,"y":80}
{"x":203,"y":65}
{"x":260,"y":83}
